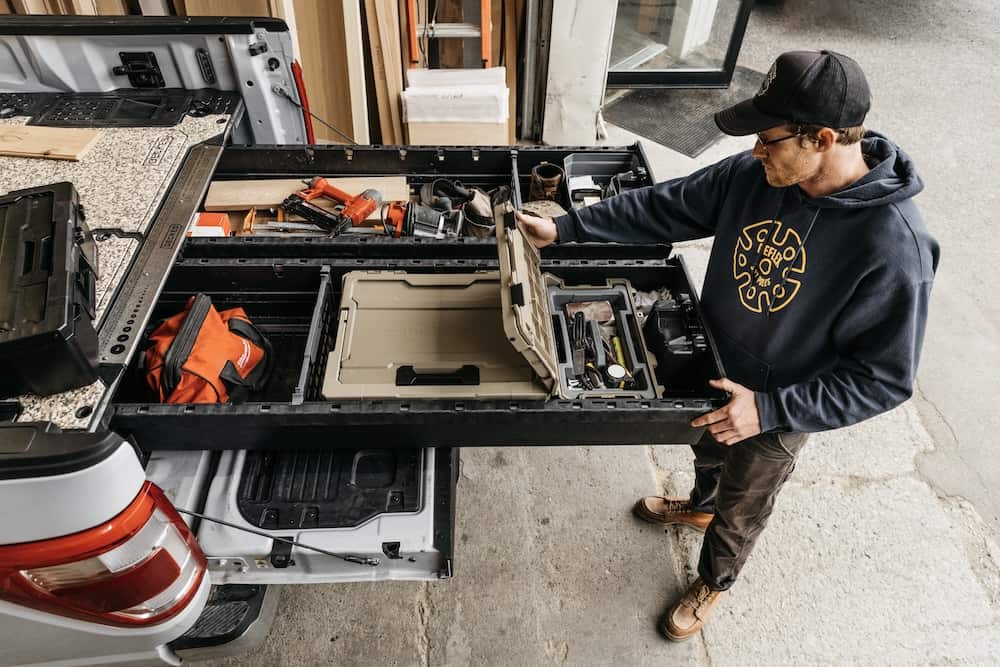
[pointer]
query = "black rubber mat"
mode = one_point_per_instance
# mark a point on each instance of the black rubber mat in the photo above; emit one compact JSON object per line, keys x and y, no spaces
{"x":339,"y":488}
{"x":681,"y":118}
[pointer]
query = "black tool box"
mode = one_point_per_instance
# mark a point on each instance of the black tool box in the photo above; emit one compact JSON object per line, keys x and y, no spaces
{"x":48,"y":274}
{"x":292,"y":288}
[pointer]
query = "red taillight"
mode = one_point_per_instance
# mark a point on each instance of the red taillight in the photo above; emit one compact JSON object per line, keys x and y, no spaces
{"x":139,"y":568}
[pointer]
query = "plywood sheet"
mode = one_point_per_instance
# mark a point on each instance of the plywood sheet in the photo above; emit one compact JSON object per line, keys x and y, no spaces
{"x":243,"y":195}
{"x":57,"y":143}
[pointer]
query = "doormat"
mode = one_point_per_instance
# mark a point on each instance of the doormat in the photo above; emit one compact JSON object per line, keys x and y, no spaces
{"x":681,"y":118}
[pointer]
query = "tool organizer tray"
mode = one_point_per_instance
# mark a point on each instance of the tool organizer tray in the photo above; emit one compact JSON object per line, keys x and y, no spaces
{"x":487,"y":168}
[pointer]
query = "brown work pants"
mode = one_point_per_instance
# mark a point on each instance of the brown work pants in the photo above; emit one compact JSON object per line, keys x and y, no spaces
{"x":738,"y":484}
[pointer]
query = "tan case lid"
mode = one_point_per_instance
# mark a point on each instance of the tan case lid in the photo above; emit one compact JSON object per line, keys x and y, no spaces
{"x":431,"y":322}
{"x":523,"y":295}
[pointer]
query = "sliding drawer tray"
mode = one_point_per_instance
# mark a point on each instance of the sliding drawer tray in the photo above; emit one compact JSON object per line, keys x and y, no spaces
{"x":484,"y":167}
{"x":296,"y":303}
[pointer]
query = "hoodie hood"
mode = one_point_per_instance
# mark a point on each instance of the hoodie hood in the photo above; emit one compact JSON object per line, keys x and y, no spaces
{"x":892,"y":178}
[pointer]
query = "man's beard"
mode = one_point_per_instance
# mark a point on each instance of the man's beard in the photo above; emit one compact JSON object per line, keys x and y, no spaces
{"x":783,"y":178}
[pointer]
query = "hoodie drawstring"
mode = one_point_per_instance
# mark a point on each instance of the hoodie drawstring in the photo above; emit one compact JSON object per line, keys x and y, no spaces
{"x":798,"y":251}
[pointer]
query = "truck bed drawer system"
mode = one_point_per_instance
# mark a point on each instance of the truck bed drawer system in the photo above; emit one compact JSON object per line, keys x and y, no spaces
{"x":294,"y":289}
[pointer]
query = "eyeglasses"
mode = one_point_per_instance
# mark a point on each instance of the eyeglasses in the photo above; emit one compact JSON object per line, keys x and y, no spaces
{"x":768,"y":142}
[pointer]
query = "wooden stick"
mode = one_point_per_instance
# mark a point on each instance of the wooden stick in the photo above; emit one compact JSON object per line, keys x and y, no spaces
{"x":411,"y":29}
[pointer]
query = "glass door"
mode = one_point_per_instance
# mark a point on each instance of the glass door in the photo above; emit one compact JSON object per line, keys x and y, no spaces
{"x":676,"y":43}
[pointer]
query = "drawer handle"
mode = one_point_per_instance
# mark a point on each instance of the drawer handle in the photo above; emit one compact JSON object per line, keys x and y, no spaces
{"x":407,"y":376}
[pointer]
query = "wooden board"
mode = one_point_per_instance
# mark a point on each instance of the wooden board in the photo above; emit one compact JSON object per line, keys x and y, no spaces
{"x":378,"y":73}
{"x":243,"y":195}
{"x":355,"y":65}
{"x":80,"y":7}
{"x":323,"y":55}
{"x":57,"y":143}
{"x":29,"y":6}
{"x":227,"y":8}
{"x":457,"y":134}
{"x":404,"y":36}
{"x":496,"y":16}
{"x":112,"y":7}
{"x":379,"y":70}
{"x":388,"y":25}
{"x":512,"y":22}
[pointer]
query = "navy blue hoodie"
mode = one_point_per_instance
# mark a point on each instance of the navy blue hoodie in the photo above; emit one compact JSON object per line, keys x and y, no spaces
{"x":817,"y":304}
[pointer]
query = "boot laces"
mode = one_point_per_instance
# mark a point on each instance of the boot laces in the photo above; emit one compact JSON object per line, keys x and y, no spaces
{"x":677,"y":506}
{"x":699,"y":597}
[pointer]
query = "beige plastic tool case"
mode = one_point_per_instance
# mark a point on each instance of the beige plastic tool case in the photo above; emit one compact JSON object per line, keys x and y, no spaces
{"x":486,"y":335}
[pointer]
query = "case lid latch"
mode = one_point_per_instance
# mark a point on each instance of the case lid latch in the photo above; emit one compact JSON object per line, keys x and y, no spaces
{"x":517,"y":294}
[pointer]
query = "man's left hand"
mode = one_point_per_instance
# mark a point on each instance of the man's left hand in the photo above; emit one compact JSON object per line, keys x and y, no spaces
{"x":737,"y":420}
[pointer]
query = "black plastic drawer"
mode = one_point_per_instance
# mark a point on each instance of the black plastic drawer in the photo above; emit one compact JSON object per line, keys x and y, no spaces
{"x":287,"y":297}
{"x":485,"y":167}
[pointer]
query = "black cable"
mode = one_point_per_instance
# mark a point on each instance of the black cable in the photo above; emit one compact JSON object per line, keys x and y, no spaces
{"x":360,"y":560}
{"x":427,"y":44}
{"x":278,"y":90}
{"x":420,"y":37}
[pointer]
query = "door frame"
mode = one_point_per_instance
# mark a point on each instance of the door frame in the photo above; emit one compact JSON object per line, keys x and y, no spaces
{"x":690,"y":78}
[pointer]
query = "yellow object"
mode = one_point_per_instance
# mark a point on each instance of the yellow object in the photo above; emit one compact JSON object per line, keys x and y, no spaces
{"x":616,"y":343}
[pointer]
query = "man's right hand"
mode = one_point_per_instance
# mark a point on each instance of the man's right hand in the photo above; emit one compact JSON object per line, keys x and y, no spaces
{"x":541,"y":231}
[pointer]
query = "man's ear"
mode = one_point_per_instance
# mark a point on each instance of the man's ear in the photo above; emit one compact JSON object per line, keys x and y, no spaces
{"x":826,"y":138}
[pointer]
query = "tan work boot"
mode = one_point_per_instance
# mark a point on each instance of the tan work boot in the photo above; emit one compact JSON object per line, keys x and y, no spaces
{"x":668,"y":510}
{"x":688,"y":616}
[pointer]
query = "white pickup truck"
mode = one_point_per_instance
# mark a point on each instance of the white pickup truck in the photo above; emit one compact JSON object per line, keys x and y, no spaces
{"x":136,"y":531}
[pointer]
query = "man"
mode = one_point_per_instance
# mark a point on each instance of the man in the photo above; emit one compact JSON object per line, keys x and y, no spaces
{"x":816,"y":294}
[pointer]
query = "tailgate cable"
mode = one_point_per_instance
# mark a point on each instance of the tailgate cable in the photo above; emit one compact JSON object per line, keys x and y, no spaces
{"x":281,"y":92}
{"x":360,"y":560}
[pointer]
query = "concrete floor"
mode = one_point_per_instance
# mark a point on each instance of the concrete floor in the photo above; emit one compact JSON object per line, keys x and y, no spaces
{"x":883,"y":548}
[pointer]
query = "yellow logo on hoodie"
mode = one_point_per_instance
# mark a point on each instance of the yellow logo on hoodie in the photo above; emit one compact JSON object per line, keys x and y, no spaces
{"x":768,"y":261}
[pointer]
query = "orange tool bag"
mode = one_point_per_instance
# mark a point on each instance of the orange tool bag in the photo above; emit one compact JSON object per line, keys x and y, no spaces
{"x":203,"y":356}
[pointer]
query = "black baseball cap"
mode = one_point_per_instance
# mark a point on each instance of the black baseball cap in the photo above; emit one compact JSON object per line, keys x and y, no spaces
{"x":804,"y":87}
